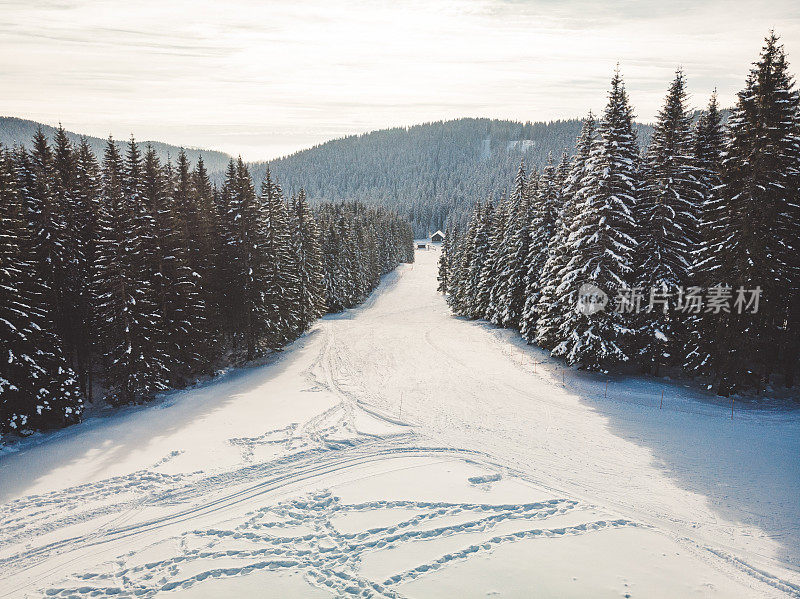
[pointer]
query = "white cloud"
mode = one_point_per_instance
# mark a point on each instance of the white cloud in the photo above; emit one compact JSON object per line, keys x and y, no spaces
{"x":267,"y":78}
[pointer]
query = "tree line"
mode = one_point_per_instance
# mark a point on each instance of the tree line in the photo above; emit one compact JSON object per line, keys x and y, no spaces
{"x":125,"y":277}
{"x":682,"y":256}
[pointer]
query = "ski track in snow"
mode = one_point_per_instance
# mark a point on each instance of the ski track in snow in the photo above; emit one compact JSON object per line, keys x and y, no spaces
{"x":167,"y":527}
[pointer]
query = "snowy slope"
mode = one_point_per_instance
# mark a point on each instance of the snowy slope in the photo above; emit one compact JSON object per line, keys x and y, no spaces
{"x":398,"y":451}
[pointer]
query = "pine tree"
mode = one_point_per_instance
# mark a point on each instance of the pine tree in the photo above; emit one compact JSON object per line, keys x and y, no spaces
{"x":173,"y":285}
{"x":128,"y":322}
{"x":38,"y":389}
{"x":604,"y":240}
{"x":478,"y":297}
{"x":491,"y":290}
{"x":455,"y":278}
{"x":544,"y":210}
{"x":460,"y":298}
{"x":307,"y":263}
{"x":246,"y":270}
{"x":87,"y":206}
{"x":559,"y":288}
{"x":759,"y":175}
{"x":515,"y":269}
{"x":706,"y":265}
{"x":280,"y":284}
{"x":194,"y":237}
{"x":49,"y":229}
{"x":346,"y":267}
{"x":64,"y":180}
{"x":210,"y":251}
{"x":444,"y":264}
{"x":668,"y":214}
{"x":229,"y":299}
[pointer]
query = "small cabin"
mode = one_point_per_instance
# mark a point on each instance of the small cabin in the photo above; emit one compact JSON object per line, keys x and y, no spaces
{"x":437,"y":237}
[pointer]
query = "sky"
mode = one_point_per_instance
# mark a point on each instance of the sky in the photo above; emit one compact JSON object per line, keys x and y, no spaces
{"x":263,"y":79}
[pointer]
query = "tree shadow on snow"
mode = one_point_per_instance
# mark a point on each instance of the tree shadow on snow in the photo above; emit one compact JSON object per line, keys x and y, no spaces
{"x":113,"y":437}
{"x":747,"y":466}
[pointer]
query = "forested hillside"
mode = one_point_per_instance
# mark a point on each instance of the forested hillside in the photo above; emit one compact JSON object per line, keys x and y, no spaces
{"x":427,"y":171}
{"x":15,"y":131}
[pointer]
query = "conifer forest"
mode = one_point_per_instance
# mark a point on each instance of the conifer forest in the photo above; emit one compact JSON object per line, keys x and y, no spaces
{"x":692,"y":240}
{"x":125,"y":276}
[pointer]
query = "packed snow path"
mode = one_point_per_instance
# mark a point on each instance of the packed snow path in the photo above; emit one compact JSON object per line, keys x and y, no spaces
{"x":396,"y":451}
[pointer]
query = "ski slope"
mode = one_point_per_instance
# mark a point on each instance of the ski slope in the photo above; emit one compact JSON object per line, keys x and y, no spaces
{"x":397,"y":451}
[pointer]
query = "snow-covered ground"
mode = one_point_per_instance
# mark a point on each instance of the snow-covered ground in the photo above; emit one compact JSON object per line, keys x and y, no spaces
{"x":398,"y":451}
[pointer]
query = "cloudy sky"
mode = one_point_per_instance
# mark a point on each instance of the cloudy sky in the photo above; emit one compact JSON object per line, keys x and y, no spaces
{"x":267,"y":78}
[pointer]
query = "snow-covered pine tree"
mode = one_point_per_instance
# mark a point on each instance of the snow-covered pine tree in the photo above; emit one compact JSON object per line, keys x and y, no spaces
{"x":154,"y":374}
{"x":512,"y":299}
{"x":480,"y":254}
{"x":245,"y":271}
{"x":371,"y":238}
{"x":210,"y":249}
{"x":331,"y":247}
{"x":444,"y":263}
{"x":50,"y":235}
{"x":349,"y":264}
{"x":228,"y":268}
{"x":38,"y":389}
{"x":174,"y":287}
{"x":604,"y":240}
{"x":668,"y":216}
{"x":455,"y":271}
{"x":128,"y":322}
{"x":360,"y":275}
{"x":532,"y":185}
{"x":493,"y":285}
{"x":559,"y":290}
{"x":759,"y":187}
{"x":87,"y":206}
{"x":544,"y":210}
{"x":194,"y":233}
{"x":460,"y":298}
{"x":706,"y":264}
{"x":280,"y":284}
{"x":307,"y":262}
{"x":342,"y":266}
{"x":64,"y":200}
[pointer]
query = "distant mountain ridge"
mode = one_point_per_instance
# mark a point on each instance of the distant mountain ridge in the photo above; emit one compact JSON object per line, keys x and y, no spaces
{"x":15,"y":131}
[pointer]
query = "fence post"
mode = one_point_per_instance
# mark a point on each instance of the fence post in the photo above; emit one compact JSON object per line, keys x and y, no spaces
{"x":662,"y":400}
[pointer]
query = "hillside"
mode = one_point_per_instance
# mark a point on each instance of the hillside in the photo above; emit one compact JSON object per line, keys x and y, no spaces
{"x":426,"y":171}
{"x":15,"y":131}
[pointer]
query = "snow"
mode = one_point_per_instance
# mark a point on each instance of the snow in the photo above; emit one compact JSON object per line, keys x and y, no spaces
{"x":302,"y":478}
